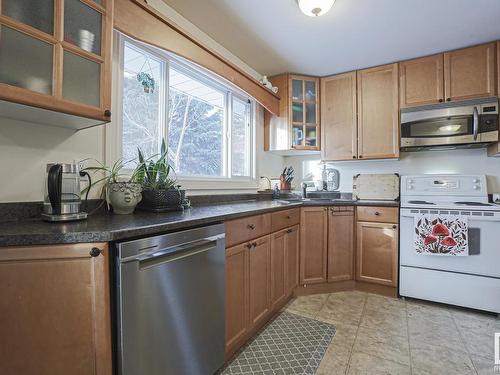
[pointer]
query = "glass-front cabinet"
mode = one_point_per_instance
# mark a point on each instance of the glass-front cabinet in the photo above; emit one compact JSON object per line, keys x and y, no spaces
{"x":304,"y":107}
{"x":298,"y":125}
{"x":56,"y":55}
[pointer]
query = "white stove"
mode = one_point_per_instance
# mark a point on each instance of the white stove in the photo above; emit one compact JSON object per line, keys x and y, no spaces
{"x":469,"y":281}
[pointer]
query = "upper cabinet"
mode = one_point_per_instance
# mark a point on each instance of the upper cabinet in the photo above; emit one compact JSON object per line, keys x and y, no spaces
{"x":470,"y":72}
{"x":378,"y":112}
{"x":338,"y":117}
{"x":422,"y":81}
{"x":463,"y":74}
{"x":56,"y":55}
{"x":297,"y":126}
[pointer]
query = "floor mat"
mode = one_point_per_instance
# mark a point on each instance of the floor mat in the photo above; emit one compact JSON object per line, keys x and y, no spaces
{"x":290,"y":344}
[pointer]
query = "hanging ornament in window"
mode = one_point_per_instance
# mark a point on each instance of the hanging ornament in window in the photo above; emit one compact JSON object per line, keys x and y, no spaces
{"x":147,"y":82}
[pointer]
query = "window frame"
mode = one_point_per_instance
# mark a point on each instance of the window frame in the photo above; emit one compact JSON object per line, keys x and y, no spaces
{"x":197,"y":72}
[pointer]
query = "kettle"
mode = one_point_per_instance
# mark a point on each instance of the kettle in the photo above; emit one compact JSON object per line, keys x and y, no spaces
{"x":62,"y":193}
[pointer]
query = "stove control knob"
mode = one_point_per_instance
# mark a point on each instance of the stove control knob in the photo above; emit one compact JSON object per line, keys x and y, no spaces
{"x":475,"y":187}
{"x":410,"y":181}
{"x":410,"y":187}
{"x":476,"y":181}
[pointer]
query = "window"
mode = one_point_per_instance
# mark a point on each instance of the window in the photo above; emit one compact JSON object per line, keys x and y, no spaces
{"x":207,"y":123}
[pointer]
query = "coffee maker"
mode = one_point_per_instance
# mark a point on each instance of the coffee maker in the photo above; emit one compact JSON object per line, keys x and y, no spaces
{"x":62,"y":193}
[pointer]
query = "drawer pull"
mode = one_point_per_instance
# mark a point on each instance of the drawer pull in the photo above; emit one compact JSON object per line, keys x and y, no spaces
{"x":248,"y":245}
{"x":377,"y":213}
{"x":254,"y":244}
{"x":394,"y":227}
{"x":251,"y":226}
{"x":95,"y":252}
{"x":288,"y":217}
{"x":289,"y":230}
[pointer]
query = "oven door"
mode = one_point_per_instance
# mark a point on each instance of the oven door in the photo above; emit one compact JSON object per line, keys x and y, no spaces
{"x":484,"y":237}
{"x":451,"y":130}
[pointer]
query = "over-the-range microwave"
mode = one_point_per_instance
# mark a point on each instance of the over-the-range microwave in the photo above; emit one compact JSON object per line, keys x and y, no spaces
{"x":465,"y":124}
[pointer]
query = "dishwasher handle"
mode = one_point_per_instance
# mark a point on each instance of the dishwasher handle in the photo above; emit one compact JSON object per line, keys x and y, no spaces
{"x":173,"y":253}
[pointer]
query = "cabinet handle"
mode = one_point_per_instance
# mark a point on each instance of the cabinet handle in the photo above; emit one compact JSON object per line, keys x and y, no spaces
{"x":361,"y":156}
{"x":251,"y":226}
{"x":107,"y":113}
{"x":95,"y":252}
{"x":254,"y":244}
{"x":440,"y":100}
{"x":248,"y":245}
{"x":289,"y":230}
{"x":354,"y":156}
{"x":394,"y":227}
{"x":377,"y":213}
{"x":448,"y":99}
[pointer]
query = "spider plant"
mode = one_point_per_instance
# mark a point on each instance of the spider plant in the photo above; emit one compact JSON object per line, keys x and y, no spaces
{"x":155,"y":175}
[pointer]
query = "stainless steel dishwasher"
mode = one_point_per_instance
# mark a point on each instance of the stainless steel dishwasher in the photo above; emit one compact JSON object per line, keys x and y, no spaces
{"x":171,"y":303}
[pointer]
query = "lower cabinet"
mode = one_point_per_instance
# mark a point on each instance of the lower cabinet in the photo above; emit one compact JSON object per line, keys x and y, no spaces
{"x":341,"y":243}
{"x":377,"y":253}
{"x":292,"y":245}
{"x":68,"y":285}
{"x":259,"y":279}
{"x":313,"y":245}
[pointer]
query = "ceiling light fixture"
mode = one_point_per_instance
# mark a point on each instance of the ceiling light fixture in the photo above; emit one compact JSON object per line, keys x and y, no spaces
{"x":315,"y":8}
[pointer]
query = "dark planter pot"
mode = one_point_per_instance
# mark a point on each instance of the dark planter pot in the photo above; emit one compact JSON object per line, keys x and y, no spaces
{"x":162,"y":200}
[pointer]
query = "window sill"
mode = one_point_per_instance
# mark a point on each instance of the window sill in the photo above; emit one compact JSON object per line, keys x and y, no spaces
{"x":218,"y":184}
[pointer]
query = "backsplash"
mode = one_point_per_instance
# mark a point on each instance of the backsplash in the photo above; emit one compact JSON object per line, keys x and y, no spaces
{"x":473,"y":161}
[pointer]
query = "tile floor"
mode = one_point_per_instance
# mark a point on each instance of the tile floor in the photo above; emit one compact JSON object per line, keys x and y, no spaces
{"x":380,"y":335}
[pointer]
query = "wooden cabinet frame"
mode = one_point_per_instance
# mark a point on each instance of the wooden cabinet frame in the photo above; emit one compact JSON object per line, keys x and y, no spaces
{"x":55,"y":101}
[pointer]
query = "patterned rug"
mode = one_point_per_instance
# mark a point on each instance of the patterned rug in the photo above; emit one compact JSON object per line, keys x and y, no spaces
{"x":290,"y":344}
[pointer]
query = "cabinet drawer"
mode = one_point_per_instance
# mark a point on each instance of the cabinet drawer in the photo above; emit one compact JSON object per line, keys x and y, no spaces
{"x":284,"y":219}
{"x":247,"y":228}
{"x":378,"y":214}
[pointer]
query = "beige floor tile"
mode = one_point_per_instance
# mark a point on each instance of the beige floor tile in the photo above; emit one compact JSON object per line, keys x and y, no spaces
{"x":376,"y":342}
{"x":476,"y":320}
{"x":376,"y":302}
{"x":309,"y":305}
{"x":484,"y":366}
{"x":353,"y":297}
{"x":337,"y":312}
{"x":427,"y":310}
{"x":435,"y":330}
{"x":345,"y":334}
{"x":392,"y":323}
{"x":479,"y":343}
{"x":430,"y":359}
{"x":366,"y":364}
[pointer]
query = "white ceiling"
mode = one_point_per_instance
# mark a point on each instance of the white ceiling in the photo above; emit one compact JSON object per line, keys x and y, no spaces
{"x":273,"y":36}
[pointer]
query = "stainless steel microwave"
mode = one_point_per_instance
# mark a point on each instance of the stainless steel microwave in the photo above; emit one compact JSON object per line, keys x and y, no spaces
{"x":466,"y":124}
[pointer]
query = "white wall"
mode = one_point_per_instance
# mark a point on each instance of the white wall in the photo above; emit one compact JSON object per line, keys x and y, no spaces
{"x":25,"y":148}
{"x":454,"y":161}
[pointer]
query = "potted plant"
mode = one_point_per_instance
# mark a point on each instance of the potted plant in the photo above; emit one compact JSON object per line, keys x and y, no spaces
{"x":121,"y":191}
{"x":159,"y":190}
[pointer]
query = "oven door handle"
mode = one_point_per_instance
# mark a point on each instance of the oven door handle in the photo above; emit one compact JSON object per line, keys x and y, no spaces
{"x":475,"y":123}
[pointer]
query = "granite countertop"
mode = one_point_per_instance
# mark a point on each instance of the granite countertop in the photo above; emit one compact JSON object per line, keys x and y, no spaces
{"x":108,"y":227}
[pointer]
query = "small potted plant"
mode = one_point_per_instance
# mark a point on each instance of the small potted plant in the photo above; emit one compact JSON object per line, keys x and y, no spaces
{"x":159,"y":190}
{"x":121,"y":191}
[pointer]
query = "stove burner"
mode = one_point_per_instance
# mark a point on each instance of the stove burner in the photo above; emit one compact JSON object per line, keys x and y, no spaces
{"x":473,"y":204}
{"x":421,"y":202}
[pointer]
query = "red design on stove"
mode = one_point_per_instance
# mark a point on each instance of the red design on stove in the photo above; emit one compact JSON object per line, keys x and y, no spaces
{"x":440,"y":230}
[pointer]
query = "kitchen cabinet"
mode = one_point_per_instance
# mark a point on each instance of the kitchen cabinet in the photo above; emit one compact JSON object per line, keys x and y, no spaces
{"x":237,"y":284}
{"x":339,"y":117}
{"x":313,"y":245}
{"x":377,"y":247}
{"x":66,"y":54}
{"x":378,"y":112}
{"x":494,"y":149}
{"x":68,"y":287}
{"x":297,"y":126}
{"x":466,"y":73}
{"x":422,"y":81}
{"x":470,"y":72}
{"x":260,"y":280}
{"x":341,"y":243}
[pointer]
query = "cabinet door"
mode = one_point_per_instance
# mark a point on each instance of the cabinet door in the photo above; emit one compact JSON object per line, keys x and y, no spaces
{"x":278,"y":254}
{"x":377,"y":253}
{"x":260,"y":280}
{"x":237,"y":287}
{"x":313,"y":245}
{"x":422,"y":81}
{"x":378,"y":112}
{"x":55,"y":311}
{"x":292,"y":259}
{"x":470,"y":72}
{"x":340,"y":245}
{"x":304,"y":112}
{"x":338,"y":117}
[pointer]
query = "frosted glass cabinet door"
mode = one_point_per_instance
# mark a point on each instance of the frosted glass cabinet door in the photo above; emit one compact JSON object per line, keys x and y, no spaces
{"x":81,"y":80}
{"x":25,"y":61}
{"x":35,"y":13}
{"x":82,"y":26}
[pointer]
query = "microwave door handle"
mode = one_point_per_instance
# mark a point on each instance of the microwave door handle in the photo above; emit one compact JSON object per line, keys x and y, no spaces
{"x":475,"y":123}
